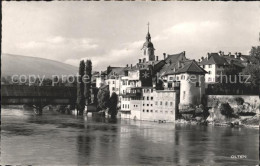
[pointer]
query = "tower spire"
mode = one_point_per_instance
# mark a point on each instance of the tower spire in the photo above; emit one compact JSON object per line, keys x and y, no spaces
{"x":148,"y":36}
{"x":148,"y":26}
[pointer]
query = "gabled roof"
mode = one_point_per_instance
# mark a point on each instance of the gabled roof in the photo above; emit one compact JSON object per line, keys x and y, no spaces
{"x":189,"y":66}
{"x":116,"y":71}
{"x":143,"y":65}
{"x":171,"y":62}
{"x":175,"y":57}
{"x":214,"y":58}
{"x":249,"y":58}
{"x":234,"y":61}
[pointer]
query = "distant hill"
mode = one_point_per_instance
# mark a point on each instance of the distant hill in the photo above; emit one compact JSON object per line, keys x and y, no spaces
{"x":17,"y":64}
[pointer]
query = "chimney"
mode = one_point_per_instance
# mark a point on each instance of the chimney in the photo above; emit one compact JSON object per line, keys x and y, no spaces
{"x":131,"y":66}
{"x":239,"y":55}
{"x":208,"y":56}
{"x":157,"y":58}
{"x":229,"y":54}
{"x":140,"y":60}
{"x":202,"y":58}
{"x":143,"y":60}
{"x":126,"y":65}
{"x":219,"y":53}
{"x":199,"y":60}
{"x":164,"y":56}
{"x":236,"y":54}
{"x":184,"y":53}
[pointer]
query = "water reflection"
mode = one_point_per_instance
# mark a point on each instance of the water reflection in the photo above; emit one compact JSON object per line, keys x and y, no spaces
{"x":55,"y":138}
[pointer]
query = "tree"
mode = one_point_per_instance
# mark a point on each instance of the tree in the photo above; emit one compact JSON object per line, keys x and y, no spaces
{"x":87,"y":82}
{"x":113,"y":104}
{"x":255,"y":52}
{"x":103,"y":98}
{"x":239,"y":100}
{"x":47,"y":82}
{"x":253,"y":72}
{"x":226,"y":110}
{"x":80,"y":88}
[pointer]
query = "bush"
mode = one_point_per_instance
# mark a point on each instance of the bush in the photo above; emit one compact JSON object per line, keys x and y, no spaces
{"x":103,"y":99}
{"x":113,"y":105}
{"x":226,"y":110}
{"x":239,"y":100}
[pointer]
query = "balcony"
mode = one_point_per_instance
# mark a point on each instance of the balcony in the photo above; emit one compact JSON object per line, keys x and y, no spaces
{"x":133,"y":92}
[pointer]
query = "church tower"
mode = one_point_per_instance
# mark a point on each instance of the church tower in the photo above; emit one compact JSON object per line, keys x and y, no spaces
{"x":148,"y":49}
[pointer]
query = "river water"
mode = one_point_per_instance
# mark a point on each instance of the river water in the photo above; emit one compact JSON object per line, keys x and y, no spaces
{"x":60,"y":139}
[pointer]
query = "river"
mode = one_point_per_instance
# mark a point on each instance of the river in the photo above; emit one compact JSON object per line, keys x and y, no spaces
{"x":60,"y":139}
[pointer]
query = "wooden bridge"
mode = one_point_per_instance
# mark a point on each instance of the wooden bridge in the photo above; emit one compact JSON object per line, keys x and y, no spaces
{"x":38,"y":96}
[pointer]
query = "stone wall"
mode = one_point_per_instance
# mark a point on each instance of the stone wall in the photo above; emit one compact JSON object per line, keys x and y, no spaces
{"x":251,"y":102}
{"x":251,"y":99}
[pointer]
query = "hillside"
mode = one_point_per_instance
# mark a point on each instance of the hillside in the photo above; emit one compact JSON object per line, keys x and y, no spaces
{"x":17,"y":64}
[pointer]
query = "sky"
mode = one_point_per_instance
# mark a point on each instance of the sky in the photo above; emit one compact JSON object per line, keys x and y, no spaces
{"x":112,"y":33}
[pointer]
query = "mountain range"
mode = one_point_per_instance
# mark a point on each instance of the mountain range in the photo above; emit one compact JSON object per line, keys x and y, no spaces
{"x":25,"y":65}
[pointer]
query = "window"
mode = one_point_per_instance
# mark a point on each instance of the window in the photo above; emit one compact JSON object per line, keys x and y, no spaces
{"x":197,"y":84}
{"x":183,"y":95}
{"x":209,"y":79}
{"x":123,"y":105}
{"x":209,"y":72}
{"x":182,"y":77}
{"x":172,"y":112}
{"x":151,"y":90}
{"x":151,"y":98}
{"x":147,"y":104}
{"x":170,"y":103}
{"x":151,"y":111}
{"x":108,"y":82}
{"x":143,"y":104}
{"x":210,"y":66}
{"x":113,"y":82}
{"x":156,"y":103}
{"x":160,"y":102}
{"x":171,"y":78}
{"x":166,"y":103}
{"x":147,"y":97}
{"x":143,"y":110}
{"x":156,"y":111}
{"x":151,"y":105}
{"x":177,"y":78}
{"x":166,"y":112}
{"x":143,"y":98}
{"x":147,"y":111}
{"x":113,"y":88}
{"x":203,"y":66}
{"x":169,"y":85}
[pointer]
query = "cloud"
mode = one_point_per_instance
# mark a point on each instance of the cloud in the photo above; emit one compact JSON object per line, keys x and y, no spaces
{"x":59,"y":42}
{"x":127,"y":53}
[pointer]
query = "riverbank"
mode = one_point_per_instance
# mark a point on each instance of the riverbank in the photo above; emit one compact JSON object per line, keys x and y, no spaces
{"x":250,"y":122}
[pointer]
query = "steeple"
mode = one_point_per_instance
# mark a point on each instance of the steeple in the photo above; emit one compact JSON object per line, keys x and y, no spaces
{"x":148,"y":36}
{"x":148,"y":49}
